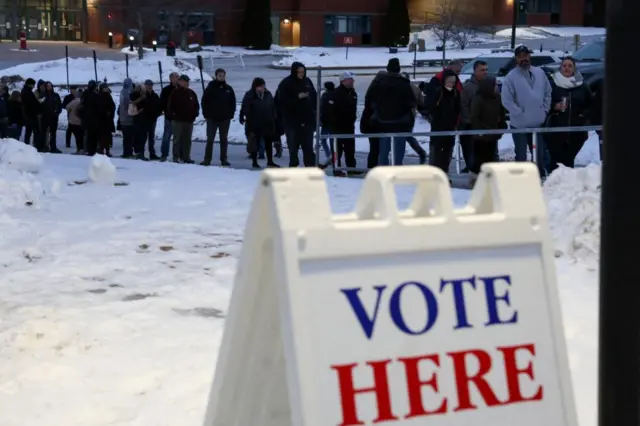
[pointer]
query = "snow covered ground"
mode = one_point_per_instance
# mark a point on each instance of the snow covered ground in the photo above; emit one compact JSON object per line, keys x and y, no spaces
{"x":367,"y":57}
{"x":534,"y":33}
{"x":112,"y":298}
{"x":217,"y":52}
{"x":81,"y":70}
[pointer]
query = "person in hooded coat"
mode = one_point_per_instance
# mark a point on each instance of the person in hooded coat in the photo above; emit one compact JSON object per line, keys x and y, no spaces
{"x":126,"y":120}
{"x":107,"y":126}
{"x":486,"y":113}
{"x":15,"y":115}
{"x":444,"y":109}
{"x":32,"y":112}
{"x":51,"y":109}
{"x":392,"y":102}
{"x":92,"y":114}
{"x":570,"y":103}
{"x":296,"y":100}
{"x":258,"y":114}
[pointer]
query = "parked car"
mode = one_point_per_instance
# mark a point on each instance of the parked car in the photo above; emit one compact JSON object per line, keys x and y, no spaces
{"x":501,"y":61}
{"x":589,"y":62}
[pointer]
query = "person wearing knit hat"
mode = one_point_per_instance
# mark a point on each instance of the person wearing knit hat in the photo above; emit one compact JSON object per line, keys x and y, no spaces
{"x":347,"y":75}
{"x":343,"y":119}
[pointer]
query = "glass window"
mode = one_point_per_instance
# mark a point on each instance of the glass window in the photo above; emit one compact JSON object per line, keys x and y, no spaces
{"x":538,"y":61}
{"x":354,"y":24}
{"x":340,"y":23}
{"x":592,"y":52}
{"x":366,"y":24}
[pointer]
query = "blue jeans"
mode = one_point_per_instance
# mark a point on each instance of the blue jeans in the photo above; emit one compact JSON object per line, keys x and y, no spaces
{"x":399,"y":148}
{"x":325,"y":142}
{"x":166,"y":138}
{"x":524,"y":141}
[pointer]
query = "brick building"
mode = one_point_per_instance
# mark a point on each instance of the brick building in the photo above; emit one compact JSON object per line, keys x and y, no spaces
{"x":295,"y":22}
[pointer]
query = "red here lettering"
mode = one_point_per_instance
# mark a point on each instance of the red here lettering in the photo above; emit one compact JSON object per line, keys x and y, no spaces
{"x":512,"y":372}
{"x":414,"y":385}
{"x":463,"y":379}
{"x":348,"y":392}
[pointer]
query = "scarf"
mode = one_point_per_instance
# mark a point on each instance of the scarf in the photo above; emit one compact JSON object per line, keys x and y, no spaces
{"x":567,"y":82}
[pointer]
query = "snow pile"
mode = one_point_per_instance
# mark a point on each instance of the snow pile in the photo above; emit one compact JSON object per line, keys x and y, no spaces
{"x":19,"y":185}
{"x":102,"y":170}
{"x":573,"y":203}
{"x":19,"y":156}
{"x":81,"y":70}
{"x":571,"y":31}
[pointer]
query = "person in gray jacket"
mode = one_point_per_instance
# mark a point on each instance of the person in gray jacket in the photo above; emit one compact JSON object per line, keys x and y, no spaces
{"x":526,"y":95}
{"x":126,"y":120}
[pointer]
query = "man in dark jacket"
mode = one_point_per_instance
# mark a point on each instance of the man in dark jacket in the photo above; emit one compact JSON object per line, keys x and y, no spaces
{"x":469,"y":90}
{"x":392,"y":103}
{"x":92,"y":114}
{"x":51,"y":109}
{"x":182,"y":109}
{"x":296,"y":100}
{"x":218,"y":108}
{"x":152,"y":110}
{"x":167,"y":132}
{"x":66,"y":101}
{"x":343,"y":118}
{"x":326,"y":100}
{"x":258,"y":114}
{"x":32,"y":111}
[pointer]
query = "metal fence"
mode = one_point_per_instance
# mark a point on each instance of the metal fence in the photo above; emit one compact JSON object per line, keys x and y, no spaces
{"x":536,"y":153}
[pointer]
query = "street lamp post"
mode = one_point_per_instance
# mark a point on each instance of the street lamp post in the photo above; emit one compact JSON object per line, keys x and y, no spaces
{"x":519,"y":6}
{"x":131,"y":43}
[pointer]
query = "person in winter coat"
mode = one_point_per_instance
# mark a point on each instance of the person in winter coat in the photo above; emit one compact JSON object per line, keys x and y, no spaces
{"x":486,"y":113}
{"x":152,"y":110}
{"x":167,"y":132}
{"x":4,"y":117}
{"x":107,"y":126}
{"x":92,"y":114}
{"x":571,"y":99}
{"x":218,"y":108}
{"x":51,"y":109}
{"x":343,"y":115}
{"x":368,"y":127}
{"x":183,"y":109}
{"x":444,"y":109}
{"x":526,"y":95}
{"x":66,"y":101}
{"x":420,"y":106}
{"x":15,"y":115}
{"x":126,"y":120}
{"x":258,"y":114}
{"x":75,"y":122}
{"x":469,"y":91}
{"x":296,"y":101}
{"x":138,"y":109}
{"x":32,"y":110}
{"x":4,"y":93}
{"x":325,"y":128}
{"x":392,"y":104}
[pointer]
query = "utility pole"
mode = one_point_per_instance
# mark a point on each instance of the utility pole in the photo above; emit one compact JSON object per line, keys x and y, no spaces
{"x":85,"y":21}
{"x":514,"y":22}
{"x":619,"y":369}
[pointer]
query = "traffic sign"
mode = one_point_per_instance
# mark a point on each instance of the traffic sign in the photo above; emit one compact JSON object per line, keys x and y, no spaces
{"x":348,"y":40}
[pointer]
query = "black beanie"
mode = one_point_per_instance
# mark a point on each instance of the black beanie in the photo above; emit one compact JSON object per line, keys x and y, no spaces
{"x":30,"y":82}
{"x":393,"y":65}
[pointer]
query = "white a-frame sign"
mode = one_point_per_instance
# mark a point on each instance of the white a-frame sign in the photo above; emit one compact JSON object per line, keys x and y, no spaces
{"x":427,"y":316}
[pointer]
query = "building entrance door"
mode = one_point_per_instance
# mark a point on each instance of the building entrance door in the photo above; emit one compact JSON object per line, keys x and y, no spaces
{"x":329,"y":37}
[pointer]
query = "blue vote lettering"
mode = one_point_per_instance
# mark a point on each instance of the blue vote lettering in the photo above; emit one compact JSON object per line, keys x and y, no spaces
{"x":496,"y":301}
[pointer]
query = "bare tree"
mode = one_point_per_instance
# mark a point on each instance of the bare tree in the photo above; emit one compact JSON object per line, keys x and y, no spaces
{"x":462,"y":36}
{"x":450,"y":19}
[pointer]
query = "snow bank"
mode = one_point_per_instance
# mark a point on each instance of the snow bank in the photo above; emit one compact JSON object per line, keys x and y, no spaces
{"x":573,"y":202}
{"x":19,"y":186}
{"x":19,"y":156}
{"x":571,"y":31}
{"x":101,"y":170}
{"x":81,"y":70}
